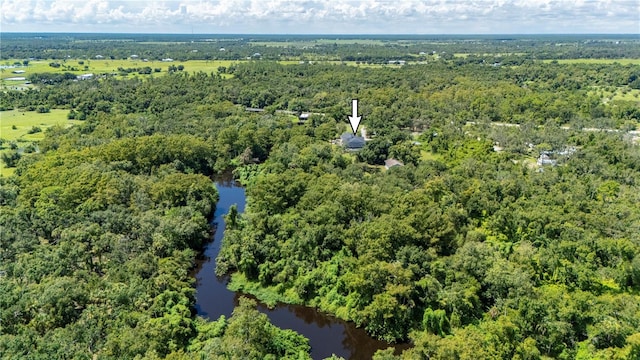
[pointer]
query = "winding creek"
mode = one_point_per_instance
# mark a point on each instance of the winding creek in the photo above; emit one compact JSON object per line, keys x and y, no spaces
{"x":327,"y":334}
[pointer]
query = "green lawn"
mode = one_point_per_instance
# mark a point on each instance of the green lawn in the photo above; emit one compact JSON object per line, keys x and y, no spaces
{"x":15,"y":126}
{"x":24,"y":121}
{"x":428,"y":155}
{"x":5,"y":171}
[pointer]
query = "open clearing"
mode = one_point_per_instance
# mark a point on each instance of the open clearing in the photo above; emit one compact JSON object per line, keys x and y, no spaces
{"x":619,"y":93}
{"x":24,"y":121}
{"x":311,"y":43}
{"x":15,"y":126}
{"x":107,"y":66}
{"x":596,"y":61}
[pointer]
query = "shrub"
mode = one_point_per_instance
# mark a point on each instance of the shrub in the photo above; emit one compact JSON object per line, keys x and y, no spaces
{"x":34,"y":129}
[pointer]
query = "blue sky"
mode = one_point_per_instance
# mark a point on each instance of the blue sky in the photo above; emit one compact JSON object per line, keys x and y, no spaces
{"x":323,"y":17}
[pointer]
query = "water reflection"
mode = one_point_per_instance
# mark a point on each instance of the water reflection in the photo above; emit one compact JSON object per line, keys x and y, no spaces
{"x":327,"y":334}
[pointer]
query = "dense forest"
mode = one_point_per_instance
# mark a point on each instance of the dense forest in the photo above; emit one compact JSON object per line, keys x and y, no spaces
{"x":474,"y":248}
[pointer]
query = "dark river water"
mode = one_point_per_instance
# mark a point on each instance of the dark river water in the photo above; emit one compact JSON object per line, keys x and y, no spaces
{"x":327,"y":335}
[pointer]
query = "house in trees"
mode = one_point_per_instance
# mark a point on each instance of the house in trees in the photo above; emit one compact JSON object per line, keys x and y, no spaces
{"x":351,"y":142}
{"x":389,"y":163}
{"x":552,"y":157}
{"x":84,"y":77}
{"x":303,"y":117}
{"x":545,"y":159}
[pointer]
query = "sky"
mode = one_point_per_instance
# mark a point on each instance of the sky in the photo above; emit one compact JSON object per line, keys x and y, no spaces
{"x":323,"y":17}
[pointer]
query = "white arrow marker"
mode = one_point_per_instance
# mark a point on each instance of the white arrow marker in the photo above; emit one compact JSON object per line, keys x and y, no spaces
{"x":354,"y":119}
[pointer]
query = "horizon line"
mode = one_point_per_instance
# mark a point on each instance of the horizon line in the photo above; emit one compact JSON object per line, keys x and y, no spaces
{"x":314,"y":34}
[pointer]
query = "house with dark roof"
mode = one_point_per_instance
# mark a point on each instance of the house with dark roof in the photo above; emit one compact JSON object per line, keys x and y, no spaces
{"x":351,"y":141}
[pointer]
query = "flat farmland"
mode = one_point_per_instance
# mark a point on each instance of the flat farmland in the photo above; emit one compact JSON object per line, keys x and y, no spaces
{"x":16,"y":124}
{"x":21,"y":128}
{"x":106,"y":66}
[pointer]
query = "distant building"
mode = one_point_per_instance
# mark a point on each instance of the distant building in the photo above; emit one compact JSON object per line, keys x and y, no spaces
{"x":551,"y":157}
{"x":18,"y":71}
{"x":351,"y":142}
{"x":303,"y":117}
{"x":167,"y":60}
{"x":99,"y":57}
{"x":84,"y":77}
{"x":134,"y":57}
{"x":389,"y":163}
{"x":544,"y":159}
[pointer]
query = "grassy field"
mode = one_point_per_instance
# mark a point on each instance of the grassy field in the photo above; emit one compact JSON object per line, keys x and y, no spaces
{"x":351,"y":41}
{"x":18,"y":127}
{"x":15,"y":124}
{"x":596,"y":61}
{"x":295,"y":44}
{"x":629,"y":95}
{"x":465,"y":55}
{"x":620,"y":93}
{"x":111,"y":66}
{"x":105,"y":66}
{"x":95,"y":66}
{"x":363,"y":65}
{"x":428,"y":155}
{"x":311,"y":43}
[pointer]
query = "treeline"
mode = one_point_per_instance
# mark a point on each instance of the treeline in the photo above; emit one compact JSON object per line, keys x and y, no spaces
{"x":415,"y":96}
{"x":209,"y":47}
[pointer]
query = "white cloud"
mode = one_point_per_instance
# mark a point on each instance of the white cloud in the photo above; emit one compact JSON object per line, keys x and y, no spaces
{"x":309,"y":16}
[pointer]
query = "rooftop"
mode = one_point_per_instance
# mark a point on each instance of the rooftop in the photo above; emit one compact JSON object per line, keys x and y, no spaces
{"x":351,"y":141}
